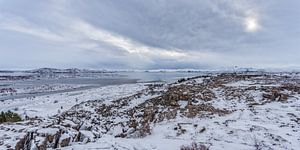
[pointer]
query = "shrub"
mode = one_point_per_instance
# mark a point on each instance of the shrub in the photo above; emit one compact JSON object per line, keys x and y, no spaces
{"x":9,"y":117}
{"x":181,"y":80}
{"x":194,"y":146}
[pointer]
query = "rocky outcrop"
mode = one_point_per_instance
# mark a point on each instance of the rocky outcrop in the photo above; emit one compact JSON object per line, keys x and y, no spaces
{"x":24,"y":142}
{"x":45,"y":138}
{"x":64,"y":140}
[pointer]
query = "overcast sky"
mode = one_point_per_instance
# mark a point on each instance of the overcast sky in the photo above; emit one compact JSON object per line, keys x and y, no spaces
{"x":149,"y":34}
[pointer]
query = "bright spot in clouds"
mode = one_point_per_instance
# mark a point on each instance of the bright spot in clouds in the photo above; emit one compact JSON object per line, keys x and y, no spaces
{"x":251,"y":24}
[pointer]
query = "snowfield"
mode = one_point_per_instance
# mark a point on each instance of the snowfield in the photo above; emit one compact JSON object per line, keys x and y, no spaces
{"x":245,"y":110}
{"x":46,"y":106}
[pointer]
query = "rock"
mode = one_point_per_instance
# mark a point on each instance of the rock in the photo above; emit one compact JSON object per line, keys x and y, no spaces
{"x":202,"y":130}
{"x":20,"y":144}
{"x":284,"y":97}
{"x":64,"y":140}
{"x":51,"y":136}
{"x":267,"y":96}
{"x":77,"y":137}
{"x":40,"y":143}
{"x":86,"y":136}
{"x":25,"y":142}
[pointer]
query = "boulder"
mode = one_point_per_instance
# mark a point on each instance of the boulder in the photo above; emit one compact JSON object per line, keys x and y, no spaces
{"x":64,"y":140}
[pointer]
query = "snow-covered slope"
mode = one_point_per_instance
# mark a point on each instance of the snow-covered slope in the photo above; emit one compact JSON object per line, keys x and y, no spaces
{"x":216,"y":111}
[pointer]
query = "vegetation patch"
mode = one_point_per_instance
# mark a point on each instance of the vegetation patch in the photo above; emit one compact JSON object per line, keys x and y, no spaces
{"x":9,"y":117}
{"x":194,"y":146}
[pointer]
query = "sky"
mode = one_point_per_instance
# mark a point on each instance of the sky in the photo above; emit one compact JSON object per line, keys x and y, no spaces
{"x":149,"y":34}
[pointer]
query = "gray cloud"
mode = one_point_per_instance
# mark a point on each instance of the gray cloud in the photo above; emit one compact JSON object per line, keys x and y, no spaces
{"x":152,"y":34}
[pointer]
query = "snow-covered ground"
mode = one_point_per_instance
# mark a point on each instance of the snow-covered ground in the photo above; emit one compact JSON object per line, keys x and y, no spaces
{"x":220,"y":111}
{"x":49,"y":105}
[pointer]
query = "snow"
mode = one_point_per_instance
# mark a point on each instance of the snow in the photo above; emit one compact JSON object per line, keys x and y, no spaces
{"x":44,"y":106}
{"x":273,"y":125}
{"x":240,"y":83}
{"x":46,"y":131}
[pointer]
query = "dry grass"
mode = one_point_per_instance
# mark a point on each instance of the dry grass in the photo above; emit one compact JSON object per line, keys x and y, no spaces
{"x":193,"y":146}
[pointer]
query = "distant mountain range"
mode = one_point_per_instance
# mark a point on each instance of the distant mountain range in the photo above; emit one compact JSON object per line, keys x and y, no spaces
{"x":70,"y":70}
{"x":76,"y":70}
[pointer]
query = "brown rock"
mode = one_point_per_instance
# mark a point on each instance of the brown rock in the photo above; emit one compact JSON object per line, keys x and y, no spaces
{"x":65,"y":141}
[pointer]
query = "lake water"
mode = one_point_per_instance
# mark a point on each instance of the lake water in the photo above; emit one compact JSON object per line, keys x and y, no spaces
{"x":159,"y":76}
{"x":87,"y":81}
